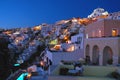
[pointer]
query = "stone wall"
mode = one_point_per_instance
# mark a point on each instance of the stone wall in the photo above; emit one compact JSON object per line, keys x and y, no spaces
{"x":58,"y":56}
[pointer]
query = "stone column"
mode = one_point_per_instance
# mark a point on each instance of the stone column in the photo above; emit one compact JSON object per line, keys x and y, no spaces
{"x":115,"y":60}
{"x":100,"y":58}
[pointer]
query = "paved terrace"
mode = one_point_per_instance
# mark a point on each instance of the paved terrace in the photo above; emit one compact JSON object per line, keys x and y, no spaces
{"x":75,"y":78}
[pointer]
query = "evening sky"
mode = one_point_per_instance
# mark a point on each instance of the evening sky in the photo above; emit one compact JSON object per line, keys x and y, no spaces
{"x":29,"y":13}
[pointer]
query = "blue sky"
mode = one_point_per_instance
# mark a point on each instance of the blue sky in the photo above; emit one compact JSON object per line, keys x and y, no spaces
{"x":28,"y":13}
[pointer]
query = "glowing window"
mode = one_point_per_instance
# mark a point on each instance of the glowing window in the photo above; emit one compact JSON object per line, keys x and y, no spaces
{"x":86,"y":36}
{"x":114,"y":32}
{"x":99,"y":33}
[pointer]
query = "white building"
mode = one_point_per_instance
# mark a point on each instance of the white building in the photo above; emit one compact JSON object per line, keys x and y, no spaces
{"x":98,"y":12}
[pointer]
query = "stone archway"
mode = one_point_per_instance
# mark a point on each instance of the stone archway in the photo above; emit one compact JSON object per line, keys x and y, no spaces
{"x":107,"y":55}
{"x":87,"y":50}
{"x":87,"y":54}
{"x":95,"y":55}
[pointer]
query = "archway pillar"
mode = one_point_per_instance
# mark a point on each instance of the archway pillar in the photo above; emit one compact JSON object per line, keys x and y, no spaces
{"x":100,"y":58}
{"x":115,"y":55}
{"x":101,"y":55}
{"x":91,"y":53}
{"x":115,"y":60}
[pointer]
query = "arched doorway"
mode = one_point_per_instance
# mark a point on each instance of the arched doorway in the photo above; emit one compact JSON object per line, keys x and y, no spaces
{"x":87,"y":50}
{"x":95,"y":55}
{"x":107,"y":55}
{"x":87,"y":55}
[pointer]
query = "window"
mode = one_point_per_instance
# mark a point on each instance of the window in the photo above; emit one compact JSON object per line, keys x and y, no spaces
{"x":99,"y":33}
{"x":114,"y":32}
{"x":86,"y":36}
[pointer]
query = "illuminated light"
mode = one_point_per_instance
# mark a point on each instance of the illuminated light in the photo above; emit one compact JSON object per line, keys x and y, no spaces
{"x":66,"y":21}
{"x":71,"y":48}
{"x":74,"y":20}
{"x":16,"y":33}
{"x":16,"y":41}
{"x":16,"y":64}
{"x":68,"y":41}
{"x":29,"y":75}
{"x":7,"y":32}
{"x":53,"y":42}
{"x":99,"y":33}
{"x":65,"y":38}
{"x":21,"y":77}
{"x":114,"y":32}
{"x":105,"y":13}
{"x":37,"y":28}
{"x":86,"y":36}
{"x":57,"y":47}
{"x":42,"y":63}
{"x":94,"y":19}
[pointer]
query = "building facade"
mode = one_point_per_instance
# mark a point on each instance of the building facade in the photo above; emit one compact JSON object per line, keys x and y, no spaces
{"x":102,"y":41}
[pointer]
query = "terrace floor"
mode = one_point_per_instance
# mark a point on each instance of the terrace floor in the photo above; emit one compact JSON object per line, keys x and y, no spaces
{"x":76,"y":78}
